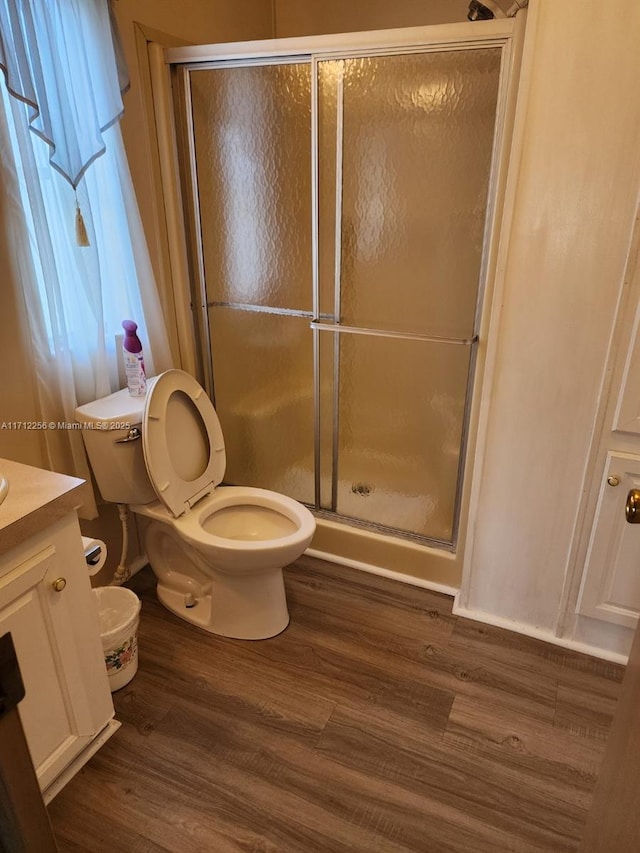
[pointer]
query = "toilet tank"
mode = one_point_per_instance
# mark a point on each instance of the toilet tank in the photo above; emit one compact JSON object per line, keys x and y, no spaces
{"x":118,"y":466}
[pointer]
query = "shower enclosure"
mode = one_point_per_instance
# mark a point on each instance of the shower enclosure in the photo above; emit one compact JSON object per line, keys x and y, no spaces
{"x":340,"y":201}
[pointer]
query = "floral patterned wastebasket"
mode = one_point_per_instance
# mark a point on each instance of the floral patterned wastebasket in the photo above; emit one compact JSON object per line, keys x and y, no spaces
{"x":119,"y":616}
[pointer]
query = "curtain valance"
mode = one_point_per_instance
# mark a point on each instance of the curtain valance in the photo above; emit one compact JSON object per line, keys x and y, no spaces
{"x":55,"y":58}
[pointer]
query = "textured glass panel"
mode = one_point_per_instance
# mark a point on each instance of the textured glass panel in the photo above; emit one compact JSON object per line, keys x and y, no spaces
{"x":401,"y":406}
{"x":329,"y":85}
{"x":263,"y":367}
{"x":252,"y":131}
{"x":417,"y":141}
{"x":328,"y":383}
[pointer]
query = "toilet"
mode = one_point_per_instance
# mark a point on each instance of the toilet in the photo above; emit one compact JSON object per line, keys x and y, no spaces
{"x":217,"y":551}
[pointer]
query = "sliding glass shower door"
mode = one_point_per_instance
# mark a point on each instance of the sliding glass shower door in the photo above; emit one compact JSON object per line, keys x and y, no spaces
{"x":405,"y":145}
{"x":251,"y":131}
{"x":339,"y":213}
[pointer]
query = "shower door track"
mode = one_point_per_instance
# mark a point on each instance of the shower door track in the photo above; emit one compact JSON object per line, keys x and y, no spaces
{"x":347,"y":45}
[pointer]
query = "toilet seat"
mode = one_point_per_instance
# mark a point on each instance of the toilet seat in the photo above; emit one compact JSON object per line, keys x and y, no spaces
{"x":182,"y":441}
{"x":197,"y":527}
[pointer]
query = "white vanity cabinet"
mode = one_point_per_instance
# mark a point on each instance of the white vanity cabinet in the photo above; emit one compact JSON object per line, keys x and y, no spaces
{"x":46,"y":603}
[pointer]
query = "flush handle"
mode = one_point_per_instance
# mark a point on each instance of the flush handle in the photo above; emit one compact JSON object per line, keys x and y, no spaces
{"x":133,"y":435}
{"x":632,"y":509}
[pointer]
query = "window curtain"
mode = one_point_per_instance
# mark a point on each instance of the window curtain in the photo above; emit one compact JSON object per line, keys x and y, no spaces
{"x":60,"y":144}
{"x":62,"y":58}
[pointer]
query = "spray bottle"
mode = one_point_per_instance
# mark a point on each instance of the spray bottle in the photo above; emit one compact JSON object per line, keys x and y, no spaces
{"x":133,"y":360}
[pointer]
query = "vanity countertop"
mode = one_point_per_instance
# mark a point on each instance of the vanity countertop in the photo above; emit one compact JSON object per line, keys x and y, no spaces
{"x":35,"y":499}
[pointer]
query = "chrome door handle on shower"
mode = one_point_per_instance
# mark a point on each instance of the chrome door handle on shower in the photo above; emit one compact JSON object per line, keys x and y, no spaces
{"x":133,"y":435}
{"x":632,"y":507}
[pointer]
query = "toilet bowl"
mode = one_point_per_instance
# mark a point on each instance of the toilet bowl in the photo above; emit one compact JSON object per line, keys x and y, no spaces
{"x":217,"y":551}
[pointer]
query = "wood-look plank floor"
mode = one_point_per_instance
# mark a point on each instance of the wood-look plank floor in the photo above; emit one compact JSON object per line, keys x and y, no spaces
{"x":377,"y":721}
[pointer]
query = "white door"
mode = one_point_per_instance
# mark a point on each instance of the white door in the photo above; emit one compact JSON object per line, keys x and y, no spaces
{"x":610,"y":584}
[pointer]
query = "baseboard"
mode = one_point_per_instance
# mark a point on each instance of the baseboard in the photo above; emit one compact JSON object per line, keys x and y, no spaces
{"x":538,"y":634}
{"x":477,"y":615}
{"x":385,"y":573}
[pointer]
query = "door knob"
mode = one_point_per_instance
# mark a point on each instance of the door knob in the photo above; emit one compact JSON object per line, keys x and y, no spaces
{"x":59,"y":583}
{"x":632,"y":509}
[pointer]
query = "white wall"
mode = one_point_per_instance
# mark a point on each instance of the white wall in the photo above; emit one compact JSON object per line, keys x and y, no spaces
{"x":579,"y":174}
{"x":311,"y":17}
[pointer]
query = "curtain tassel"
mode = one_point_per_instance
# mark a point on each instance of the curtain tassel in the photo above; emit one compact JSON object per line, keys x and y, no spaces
{"x":82,"y":238}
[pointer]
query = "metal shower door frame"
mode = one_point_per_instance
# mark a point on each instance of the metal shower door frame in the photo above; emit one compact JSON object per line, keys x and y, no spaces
{"x":503,"y":34}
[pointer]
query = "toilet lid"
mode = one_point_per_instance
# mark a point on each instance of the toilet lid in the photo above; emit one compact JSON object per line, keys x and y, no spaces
{"x":182,"y":441}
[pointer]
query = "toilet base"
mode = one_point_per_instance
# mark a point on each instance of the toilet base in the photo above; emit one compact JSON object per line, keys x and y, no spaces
{"x":243,"y":608}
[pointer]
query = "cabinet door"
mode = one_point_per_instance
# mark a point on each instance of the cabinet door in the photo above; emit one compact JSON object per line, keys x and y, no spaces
{"x":611,"y":581}
{"x":55,"y":712}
